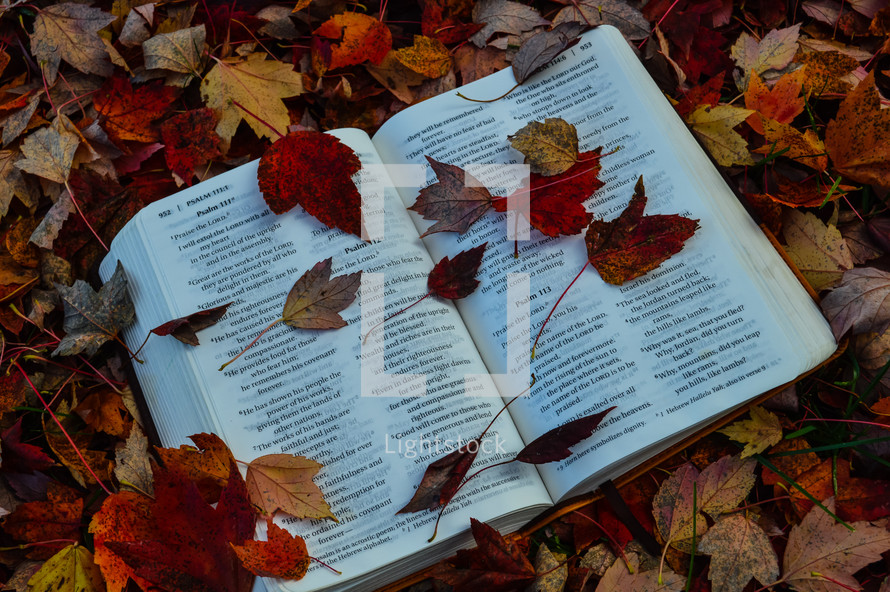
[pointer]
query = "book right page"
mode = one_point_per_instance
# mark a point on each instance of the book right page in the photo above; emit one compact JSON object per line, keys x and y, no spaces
{"x":714,"y":326}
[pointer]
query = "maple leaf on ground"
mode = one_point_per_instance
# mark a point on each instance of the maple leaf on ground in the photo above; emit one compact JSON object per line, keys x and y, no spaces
{"x":494,"y":565}
{"x":858,"y":139}
{"x":313,"y":170}
{"x":190,"y":141}
{"x":819,"y":546}
{"x":281,"y":556}
{"x":550,"y":148}
{"x":714,"y":127}
{"x":809,"y":194}
{"x":39,"y":522}
{"x":178,"y":51}
{"x":256,"y":84}
{"x":49,"y":152}
{"x":127,"y":112}
{"x":442,"y":478}
{"x":132,"y":463}
{"x":805,"y":148}
{"x":184,"y":328}
{"x":72,"y":568}
{"x":455,"y":201}
{"x":633,"y":244}
{"x":825,"y":72}
{"x":818,"y":250}
{"x":427,"y":57}
{"x":456,"y":278}
{"x":624,"y":17}
{"x":91,"y":319}
{"x":446,"y":20}
{"x":627,"y":577}
{"x":504,"y":16}
{"x":555,"y":205}
{"x":123,"y":516}
{"x":69,"y":31}
{"x":773,"y":52}
{"x":539,"y":50}
{"x":348,"y":39}
{"x":207,"y":465}
{"x":782,"y":103}
{"x":284,"y":482}
{"x":707,"y":93}
{"x":554,"y":445}
{"x":739,"y":551}
{"x":758,"y":433}
{"x":861,"y":302}
{"x":103,"y":410}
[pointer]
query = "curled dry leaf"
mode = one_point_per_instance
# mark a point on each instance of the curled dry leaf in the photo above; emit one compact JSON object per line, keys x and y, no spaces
{"x":550,"y":148}
{"x":633,"y":244}
{"x":284,"y":482}
{"x":184,"y":328}
{"x":313,"y":170}
{"x":456,"y":278}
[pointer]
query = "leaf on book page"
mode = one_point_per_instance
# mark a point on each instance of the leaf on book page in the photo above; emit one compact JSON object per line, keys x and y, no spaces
{"x":280,"y":556}
{"x":552,"y":571}
{"x":550,"y":148}
{"x":758,"y":433}
{"x":714,"y":127}
{"x":256,"y":84}
{"x":495,"y":565}
{"x":190,"y":547}
{"x":184,"y":328}
{"x":70,"y":31}
{"x":504,"y":16}
{"x":739,"y":551}
{"x":619,"y":578}
{"x":313,"y":170}
{"x":555,"y":205}
{"x":127,"y":113}
{"x":317,"y":298}
{"x":348,"y":39}
{"x":555,"y":444}
{"x":442,"y":478}
{"x":672,"y":507}
{"x":624,"y":17}
{"x":49,"y":152}
{"x":818,"y":250}
{"x":773,"y":52}
{"x":72,"y":568}
{"x":133,"y":463}
{"x":284,"y":482}
{"x":539,"y":50}
{"x":858,"y":139}
{"x":455,"y":201}
{"x":456,"y":278}
{"x":782,"y":103}
{"x":91,"y":319}
{"x":633,"y":244}
{"x":819,"y":546}
{"x":207,"y":465}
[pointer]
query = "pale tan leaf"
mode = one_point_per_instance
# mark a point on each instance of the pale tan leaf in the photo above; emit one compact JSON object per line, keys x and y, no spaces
{"x":861,"y":302}
{"x":621,"y":15}
{"x":619,"y":579}
{"x":672,"y":507}
{"x":179,"y":51}
{"x":503,"y":16}
{"x":49,"y":227}
{"x":12,"y":184}
{"x":136,"y":26}
{"x":69,"y":32}
{"x":819,"y":251}
{"x":819,"y":546}
{"x":724,"y":484}
{"x":550,"y":148}
{"x":49,"y":151}
{"x":757,"y":434}
{"x":258,"y":85}
{"x":773,"y":52}
{"x":713,"y":126}
{"x":16,"y":123}
{"x":551,"y":569}
{"x":133,"y":468}
{"x":739,"y":550}
{"x":284,"y":482}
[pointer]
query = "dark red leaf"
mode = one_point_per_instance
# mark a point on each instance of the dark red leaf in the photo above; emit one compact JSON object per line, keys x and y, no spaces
{"x":494,"y":565}
{"x":448,"y":21}
{"x":456,"y":278}
{"x":190,"y":141}
{"x":556,"y":203}
{"x":19,"y":457}
{"x":555,"y":444}
{"x":633,"y":244}
{"x":457,"y":200}
{"x":39,"y":522}
{"x":128,"y":112}
{"x":314,"y":170}
{"x":184,"y":328}
{"x":442,"y":478}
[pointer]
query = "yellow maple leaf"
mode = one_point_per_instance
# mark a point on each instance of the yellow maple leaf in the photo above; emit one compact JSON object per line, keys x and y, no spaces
{"x":806,"y":148}
{"x":72,"y":568}
{"x":255,"y":85}
{"x":757,"y":434}
{"x":713,"y":126}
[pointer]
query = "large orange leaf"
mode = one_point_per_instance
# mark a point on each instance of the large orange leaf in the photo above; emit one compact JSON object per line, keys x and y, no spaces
{"x":348,"y":39}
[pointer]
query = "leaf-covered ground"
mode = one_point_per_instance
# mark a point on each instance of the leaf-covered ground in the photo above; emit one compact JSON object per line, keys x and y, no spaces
{"x":109,"y":106}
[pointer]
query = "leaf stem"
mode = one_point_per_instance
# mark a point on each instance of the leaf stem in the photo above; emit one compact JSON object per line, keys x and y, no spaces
{"x":322,"y":563}
{"x":257,"y":117}
{"x":544,"y":324}
{"x":421,"y":299}
{"x":249,"y":345}
{"x":504,"y":408}
{"x":518,"y":84}
{"x":84,"y":218}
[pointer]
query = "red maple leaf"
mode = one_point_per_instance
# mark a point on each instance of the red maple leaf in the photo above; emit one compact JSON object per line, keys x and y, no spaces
{"x":456,"y":278}
{"x":20,"y":457}
{"x":555,"y":444}
{"x":128,"y":113}
{"x":314,"y":170}
{"x":633,"y":244}
{"x":555,"y":204}
{"x":442,"y":479}
{"x":190,"y":140}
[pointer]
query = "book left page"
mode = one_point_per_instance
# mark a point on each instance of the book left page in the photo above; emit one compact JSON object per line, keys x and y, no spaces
{"x":301,"y":391}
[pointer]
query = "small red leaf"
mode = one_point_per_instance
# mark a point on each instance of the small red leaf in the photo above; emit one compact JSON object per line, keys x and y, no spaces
{"x":184,"y":328}
{"x":190,"y":141}
{"x":442,"y":478}
{"x":634,"y":244}
{"x":457,"y":200}
{"x":555,"y":444}
{"x":314,"y":170}
{"x":456,"y":278}
{"x":281,"y":556}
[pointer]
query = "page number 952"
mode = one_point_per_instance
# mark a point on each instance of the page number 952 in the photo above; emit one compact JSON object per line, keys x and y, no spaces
{"x":164,"y":213}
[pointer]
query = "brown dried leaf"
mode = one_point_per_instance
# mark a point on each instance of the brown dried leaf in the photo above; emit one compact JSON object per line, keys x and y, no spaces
{"x":724,"y":484}
{"x":861,"y":302}
{"x":672,"y":508}
{"x":825,"y":71}
{"x":316,"y":298}
{"x":620,"y":14}
{"x":773,"y":52}
{"x":284,"y":482}
{"x":551,"y":569}
{"x":180,"y":51}
{"x":12,"y":184}
{"x":208,"y":466}
{"x":619,"y":579}
{"x":133,"y":464}
{"x":504,"y":16}
{"x":739,"y":550}
{"x":550,"y":148}
{"x":818,"y":250}
{"x":427,"y":57}
{"x":538,"y":50}
{"x":49,"y":151}
{"x":69,"y":31}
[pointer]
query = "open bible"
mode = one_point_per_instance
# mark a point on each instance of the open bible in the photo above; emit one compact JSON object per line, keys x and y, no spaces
{"x":710,"y":329}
